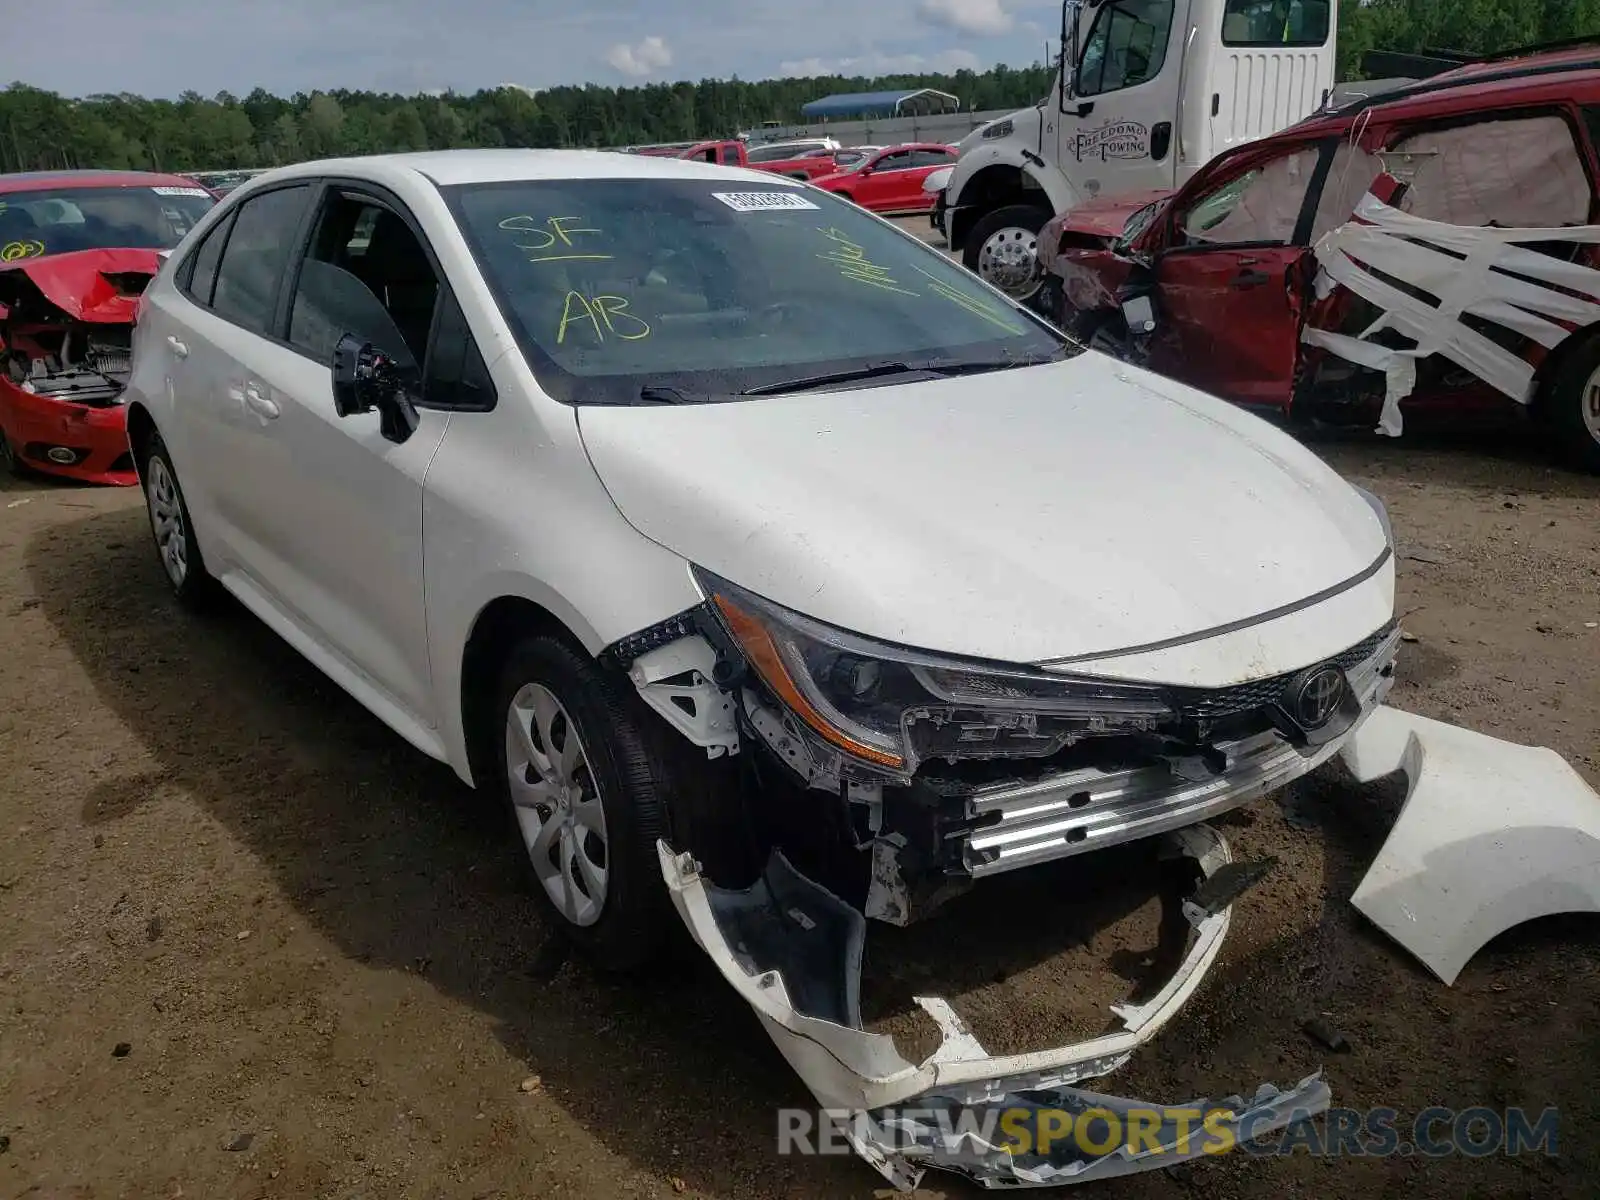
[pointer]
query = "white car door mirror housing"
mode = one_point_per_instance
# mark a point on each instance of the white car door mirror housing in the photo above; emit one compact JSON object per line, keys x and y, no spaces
{"x":365,"y":379}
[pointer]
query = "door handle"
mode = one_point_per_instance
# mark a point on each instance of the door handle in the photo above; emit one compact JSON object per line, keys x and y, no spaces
{"x":261,"y":405}
{"x":1250,"y":279}
{"x":177,"y":347}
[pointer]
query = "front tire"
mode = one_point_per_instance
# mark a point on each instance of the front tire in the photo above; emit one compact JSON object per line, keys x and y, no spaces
{"x":172,"y":528}
{"x":584,"y":790}
{"x":1001,"y":249}
{"x":1575,"y":405}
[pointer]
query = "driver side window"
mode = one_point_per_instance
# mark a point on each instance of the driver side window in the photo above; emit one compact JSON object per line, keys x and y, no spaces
{"x":1126,"y":46}
{"x":1259,"y":205}
{"x":366,"y":273}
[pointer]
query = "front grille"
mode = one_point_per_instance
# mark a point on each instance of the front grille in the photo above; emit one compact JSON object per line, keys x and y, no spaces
{"x":1020,"y":822}
{"x":1211,"y":705}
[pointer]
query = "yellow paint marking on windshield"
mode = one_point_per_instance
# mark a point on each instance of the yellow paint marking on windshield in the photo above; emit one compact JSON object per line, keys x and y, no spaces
{"x":603,"y":313}
{"x":971,"y":303}
{"x":853,"y":263}
{"x":552,"y":233}
{"x":14,"y":251}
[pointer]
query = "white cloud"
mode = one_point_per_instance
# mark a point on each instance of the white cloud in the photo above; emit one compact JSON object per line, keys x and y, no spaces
{"x":982,"y":17}
{"x":946,"y":62}
{"x":647,"y":57}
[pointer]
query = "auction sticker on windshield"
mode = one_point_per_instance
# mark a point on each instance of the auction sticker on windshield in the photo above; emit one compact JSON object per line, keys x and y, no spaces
{"x":180,"y":191}
{"x":762,"y":201}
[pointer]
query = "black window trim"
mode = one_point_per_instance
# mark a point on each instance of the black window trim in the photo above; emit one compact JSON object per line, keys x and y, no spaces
{"x":296,"y":250}
{"x":366,"y":191}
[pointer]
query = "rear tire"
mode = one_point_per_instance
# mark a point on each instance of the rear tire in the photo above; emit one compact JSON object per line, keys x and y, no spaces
{"x":583,"y":786}
{"x":1575,"y":405}
{"x":172,"y":528}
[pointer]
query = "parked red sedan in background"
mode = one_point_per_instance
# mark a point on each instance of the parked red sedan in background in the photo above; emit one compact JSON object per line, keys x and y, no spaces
{"x":76,"y":251}
{"x":890,"y":181}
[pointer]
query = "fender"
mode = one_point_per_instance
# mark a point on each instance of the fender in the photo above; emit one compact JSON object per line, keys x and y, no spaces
{"x":1018,"y":151}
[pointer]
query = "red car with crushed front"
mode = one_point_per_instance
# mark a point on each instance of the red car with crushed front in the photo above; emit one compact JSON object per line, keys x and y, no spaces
{"x":76,"y":251}
{"x":890,"y":181}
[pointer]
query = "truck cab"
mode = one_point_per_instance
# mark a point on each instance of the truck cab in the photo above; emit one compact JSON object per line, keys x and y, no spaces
{"x":1146,"y":93}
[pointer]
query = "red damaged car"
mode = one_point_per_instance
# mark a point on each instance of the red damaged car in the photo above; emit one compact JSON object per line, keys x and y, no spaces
{"x":1431,"y":248}
{"x":76,"y":251}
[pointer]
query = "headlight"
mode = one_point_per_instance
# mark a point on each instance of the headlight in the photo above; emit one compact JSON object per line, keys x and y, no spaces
{"x":1000,"y":129}
{"x":894,"y":707}
{"x":1383,"y":514}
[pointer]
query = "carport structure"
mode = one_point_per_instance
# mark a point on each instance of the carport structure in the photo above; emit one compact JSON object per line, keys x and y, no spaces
{"x":854,"y":106}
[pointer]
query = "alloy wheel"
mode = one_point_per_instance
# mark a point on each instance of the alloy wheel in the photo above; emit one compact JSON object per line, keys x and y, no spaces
{"x":558,"y":804}
{"x":166,"y":518}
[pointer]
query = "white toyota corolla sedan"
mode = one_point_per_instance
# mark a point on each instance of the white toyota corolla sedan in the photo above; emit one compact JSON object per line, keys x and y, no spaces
{"x":698,"y":512}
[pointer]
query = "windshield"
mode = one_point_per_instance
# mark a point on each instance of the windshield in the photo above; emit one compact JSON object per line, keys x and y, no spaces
{"x":1139,"y":222}
{"x":715,"y":287}
{"x":33,"y":224}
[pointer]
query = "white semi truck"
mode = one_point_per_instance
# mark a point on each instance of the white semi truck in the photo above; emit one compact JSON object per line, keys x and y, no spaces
{"x":1147,"y":92}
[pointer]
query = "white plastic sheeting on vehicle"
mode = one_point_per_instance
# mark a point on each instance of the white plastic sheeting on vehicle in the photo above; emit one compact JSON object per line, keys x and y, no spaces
{"x":1491,"y":275}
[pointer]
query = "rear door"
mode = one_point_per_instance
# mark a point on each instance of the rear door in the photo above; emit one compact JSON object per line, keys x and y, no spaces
{"x":1232,"y":275}
{"x":218,"y":382}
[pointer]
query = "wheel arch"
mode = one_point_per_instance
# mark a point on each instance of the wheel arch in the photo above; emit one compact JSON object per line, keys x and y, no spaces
{"x":1547,"y":376}
{"x":497,"y":625}
{"x":141,"y":429}
{"x":1000,"y":184}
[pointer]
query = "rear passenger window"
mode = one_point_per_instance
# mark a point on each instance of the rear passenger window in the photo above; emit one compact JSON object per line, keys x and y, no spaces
{"x":1527,"y":173}
{"x":203,"y":263}
{"x":262,"y":240}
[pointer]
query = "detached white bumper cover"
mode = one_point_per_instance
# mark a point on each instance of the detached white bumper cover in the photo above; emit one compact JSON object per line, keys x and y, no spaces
{"x":1492,"y":834}
{"x":793,"y":951}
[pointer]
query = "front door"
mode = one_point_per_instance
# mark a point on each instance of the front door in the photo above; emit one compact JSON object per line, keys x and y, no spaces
{"x":342,"y":525}
{"x":1116,"y":131}
{"x":1231,"y":280}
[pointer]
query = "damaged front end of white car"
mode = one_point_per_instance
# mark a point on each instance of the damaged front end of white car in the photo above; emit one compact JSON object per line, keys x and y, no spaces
{"x":898,"y":779}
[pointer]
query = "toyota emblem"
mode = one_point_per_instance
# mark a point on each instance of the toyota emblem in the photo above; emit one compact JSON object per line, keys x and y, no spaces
{"x":1319,"y":697}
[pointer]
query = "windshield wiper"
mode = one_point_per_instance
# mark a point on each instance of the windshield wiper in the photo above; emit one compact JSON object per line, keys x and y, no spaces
{"x":933,"y":366}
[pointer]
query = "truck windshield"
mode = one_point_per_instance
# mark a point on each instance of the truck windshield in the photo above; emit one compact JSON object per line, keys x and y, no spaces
{"x":714,"y":287}
{"x":34,"y":224}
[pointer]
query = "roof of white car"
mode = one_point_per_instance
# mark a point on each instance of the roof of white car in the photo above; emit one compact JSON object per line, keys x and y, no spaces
{"x":446,"y":167}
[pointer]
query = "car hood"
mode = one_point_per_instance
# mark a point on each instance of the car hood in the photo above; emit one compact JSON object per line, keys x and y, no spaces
{"x":1025,"y":515}
{"x":102,"y":286}
{"x":1107,"y":216}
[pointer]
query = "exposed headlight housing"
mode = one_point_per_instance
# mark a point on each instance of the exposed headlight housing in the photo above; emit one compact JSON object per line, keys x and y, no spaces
{"x":1000,"y":129}
{"x":892,"y":707}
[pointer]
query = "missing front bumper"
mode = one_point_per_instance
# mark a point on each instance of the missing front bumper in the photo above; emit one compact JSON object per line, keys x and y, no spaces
{"x":793,"y":951}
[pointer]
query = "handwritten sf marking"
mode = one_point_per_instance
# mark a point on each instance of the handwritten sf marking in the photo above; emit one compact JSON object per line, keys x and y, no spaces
{"x":600,"y":311}
{"x":853,"y":263}
{"x":550,"y":232}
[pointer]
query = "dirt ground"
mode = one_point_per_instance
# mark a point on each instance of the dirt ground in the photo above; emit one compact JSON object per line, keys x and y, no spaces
{"x":252,"y":945}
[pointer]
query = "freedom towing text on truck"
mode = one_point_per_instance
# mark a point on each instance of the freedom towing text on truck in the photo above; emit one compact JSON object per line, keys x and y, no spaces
{"x":1146,"y":93}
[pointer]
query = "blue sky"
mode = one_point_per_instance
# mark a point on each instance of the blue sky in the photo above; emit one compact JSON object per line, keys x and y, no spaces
{"x":421,"y":45}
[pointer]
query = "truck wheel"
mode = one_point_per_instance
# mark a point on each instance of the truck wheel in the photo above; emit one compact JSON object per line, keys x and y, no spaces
{"x":1575,"y":405}
{"x":1000,"y":249}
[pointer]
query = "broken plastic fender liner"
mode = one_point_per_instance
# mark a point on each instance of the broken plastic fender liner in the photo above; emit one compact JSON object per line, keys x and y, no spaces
{"x":1492,"y":834}
{"x":1467,"y":269}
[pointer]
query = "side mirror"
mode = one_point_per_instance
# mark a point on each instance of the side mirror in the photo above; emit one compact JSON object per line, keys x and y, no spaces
{"x":365,"y":379}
